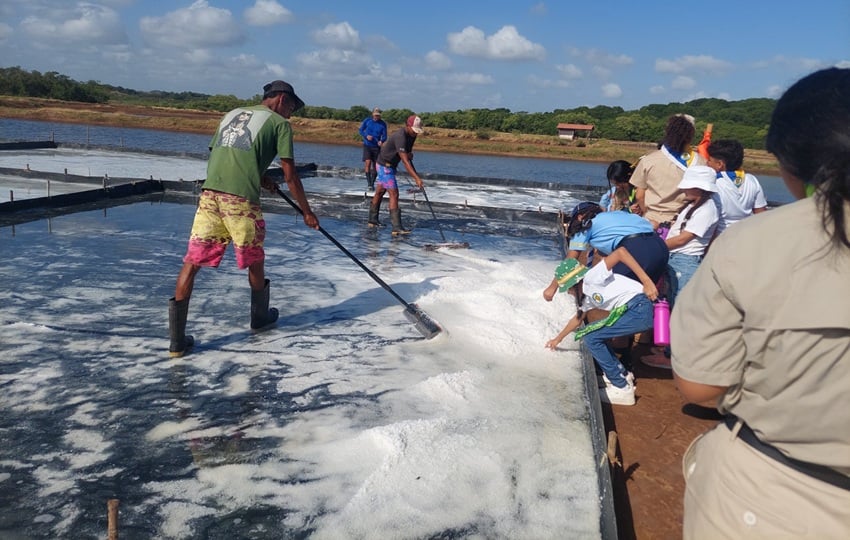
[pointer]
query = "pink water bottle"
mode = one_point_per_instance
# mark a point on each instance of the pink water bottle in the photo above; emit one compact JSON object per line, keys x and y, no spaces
{"x":661,"y":323}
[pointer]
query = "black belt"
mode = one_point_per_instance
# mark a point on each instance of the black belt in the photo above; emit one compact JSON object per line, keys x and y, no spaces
{"x":819,"y":472}
{"x":636,"y":235}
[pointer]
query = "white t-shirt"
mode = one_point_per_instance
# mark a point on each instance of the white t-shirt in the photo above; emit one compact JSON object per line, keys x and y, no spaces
{"x":737,"y":202}
{"x":603,"y":289}
{"x":702,"y":224}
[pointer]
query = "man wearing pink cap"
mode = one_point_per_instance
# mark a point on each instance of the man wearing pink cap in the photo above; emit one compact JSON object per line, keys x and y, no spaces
{"x":397,"y":148}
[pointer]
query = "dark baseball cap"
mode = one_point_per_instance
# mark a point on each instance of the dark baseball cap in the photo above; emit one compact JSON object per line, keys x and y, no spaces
{"x":282,"y":86}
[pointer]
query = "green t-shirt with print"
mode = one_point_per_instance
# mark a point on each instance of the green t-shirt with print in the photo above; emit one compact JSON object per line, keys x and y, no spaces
{"x":245,"y":144}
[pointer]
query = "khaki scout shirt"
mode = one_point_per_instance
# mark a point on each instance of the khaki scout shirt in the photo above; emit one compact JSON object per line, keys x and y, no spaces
{"x":660,"y":177}
{"x":768,"y":314}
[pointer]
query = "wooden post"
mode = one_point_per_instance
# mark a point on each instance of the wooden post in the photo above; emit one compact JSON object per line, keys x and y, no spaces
{"x":612,"y":449}
{"x":112,"y":518}
{"x":11,"y":196}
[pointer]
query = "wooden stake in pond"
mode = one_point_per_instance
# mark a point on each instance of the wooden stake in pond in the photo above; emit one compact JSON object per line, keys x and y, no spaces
{"x":112,"y":518}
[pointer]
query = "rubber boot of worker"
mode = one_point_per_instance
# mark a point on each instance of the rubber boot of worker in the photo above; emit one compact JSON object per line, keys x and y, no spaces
{"x":374,"y":209}
{"x":262,"y":315}
{"x":177,"y":314}
{"x":395,"y":216}
{"x":370,"y":178}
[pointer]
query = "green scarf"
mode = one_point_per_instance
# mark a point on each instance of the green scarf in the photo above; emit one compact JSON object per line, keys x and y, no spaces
{"x":612,"y":317}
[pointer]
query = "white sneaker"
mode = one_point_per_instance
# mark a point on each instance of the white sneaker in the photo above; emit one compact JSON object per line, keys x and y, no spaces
{"x":604,"y":381}
{"x":618,"y":396}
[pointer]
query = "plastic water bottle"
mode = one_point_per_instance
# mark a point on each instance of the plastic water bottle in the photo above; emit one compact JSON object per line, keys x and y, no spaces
{"x":661,"y":323}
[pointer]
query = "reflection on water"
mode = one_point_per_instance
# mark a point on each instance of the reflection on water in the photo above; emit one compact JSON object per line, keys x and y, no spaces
{"x":547,"y":170}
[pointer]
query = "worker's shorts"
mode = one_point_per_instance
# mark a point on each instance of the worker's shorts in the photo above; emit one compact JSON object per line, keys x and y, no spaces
{"x":220,"y":219}
{"x":386,"y":177}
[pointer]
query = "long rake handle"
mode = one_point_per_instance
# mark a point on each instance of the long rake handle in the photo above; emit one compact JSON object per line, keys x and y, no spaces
{"x":342,"y":248}
{"x":439,"y":227}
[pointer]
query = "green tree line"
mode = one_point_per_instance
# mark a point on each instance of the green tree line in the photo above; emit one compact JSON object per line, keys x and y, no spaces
{"x":746,"y":120}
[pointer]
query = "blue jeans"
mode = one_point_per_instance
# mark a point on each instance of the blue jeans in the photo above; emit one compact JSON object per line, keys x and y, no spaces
{"x":680,"y":270}
{"x":637,"y":318}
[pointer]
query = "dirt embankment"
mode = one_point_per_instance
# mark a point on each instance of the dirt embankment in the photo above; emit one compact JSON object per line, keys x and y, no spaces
{"x":342,"y":132}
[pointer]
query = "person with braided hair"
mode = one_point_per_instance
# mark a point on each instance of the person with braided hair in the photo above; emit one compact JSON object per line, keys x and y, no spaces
{"x":762,"y":333}
{"x":657,"y":174}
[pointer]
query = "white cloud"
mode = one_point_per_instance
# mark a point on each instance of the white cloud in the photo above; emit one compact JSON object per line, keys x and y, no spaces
{"x":656,"y":90}
{"x":340,"y":36}
{"x":198,"y":25}
{"x":120,"y":54}
{"x":569,"y":71}
{"x":538,"y":82}
{"x":701,"y":63}
{"x":198,"y":56}
{"x":246,"y":62}
{"x":437,"y":60}
{"x":268,"y":13}
{"x":844,"y":64}
{"x":725,"y":95}
{"x":775,"y":91}
{"x":84,"y":23}
{"x":506,"y":44}
{"x":469,"y":78}
{"x":683,"y":83}
{"x":5,"y":31}
{"x":275,"y":70}
{"x":337,"y":62}
{"x":611,"y":90}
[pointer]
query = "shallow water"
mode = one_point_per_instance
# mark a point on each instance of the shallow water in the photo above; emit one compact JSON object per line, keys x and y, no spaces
{"x":529,"y":169}
{"x":341,"y":422}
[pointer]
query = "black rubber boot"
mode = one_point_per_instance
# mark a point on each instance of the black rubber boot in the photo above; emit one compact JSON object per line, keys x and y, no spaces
{"x":373,"y":215}
{"x":261,"y":314}
{"x":395,"y":217}
{"x":177,"y":314}
{"x":370,"y":178}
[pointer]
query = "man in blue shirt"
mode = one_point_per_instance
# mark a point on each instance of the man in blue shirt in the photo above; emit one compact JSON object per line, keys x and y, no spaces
{"x":374,"y":133}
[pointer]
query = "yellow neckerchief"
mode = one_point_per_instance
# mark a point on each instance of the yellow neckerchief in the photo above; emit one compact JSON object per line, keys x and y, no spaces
{"x":737,"y":176}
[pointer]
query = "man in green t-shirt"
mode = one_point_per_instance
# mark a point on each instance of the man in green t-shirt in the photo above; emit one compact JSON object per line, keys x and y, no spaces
{"x":245,"y":144}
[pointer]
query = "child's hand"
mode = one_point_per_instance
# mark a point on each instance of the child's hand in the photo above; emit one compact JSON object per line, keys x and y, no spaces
{"x":650,"y":291}
{"x":553,"y":343}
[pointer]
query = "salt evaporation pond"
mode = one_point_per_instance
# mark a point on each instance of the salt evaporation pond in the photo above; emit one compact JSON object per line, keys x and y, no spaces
{"x":342,"y":422}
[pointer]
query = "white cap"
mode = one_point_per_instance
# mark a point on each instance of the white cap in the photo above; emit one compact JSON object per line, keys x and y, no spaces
{"x":701,"y":177}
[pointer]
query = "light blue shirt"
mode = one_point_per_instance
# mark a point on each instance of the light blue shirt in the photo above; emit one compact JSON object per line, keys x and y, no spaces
{"x":607,"y":230}
{"x":605,"y":201}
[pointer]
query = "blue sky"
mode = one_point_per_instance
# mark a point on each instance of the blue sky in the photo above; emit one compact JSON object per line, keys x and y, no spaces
{"x":435,"y":55}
